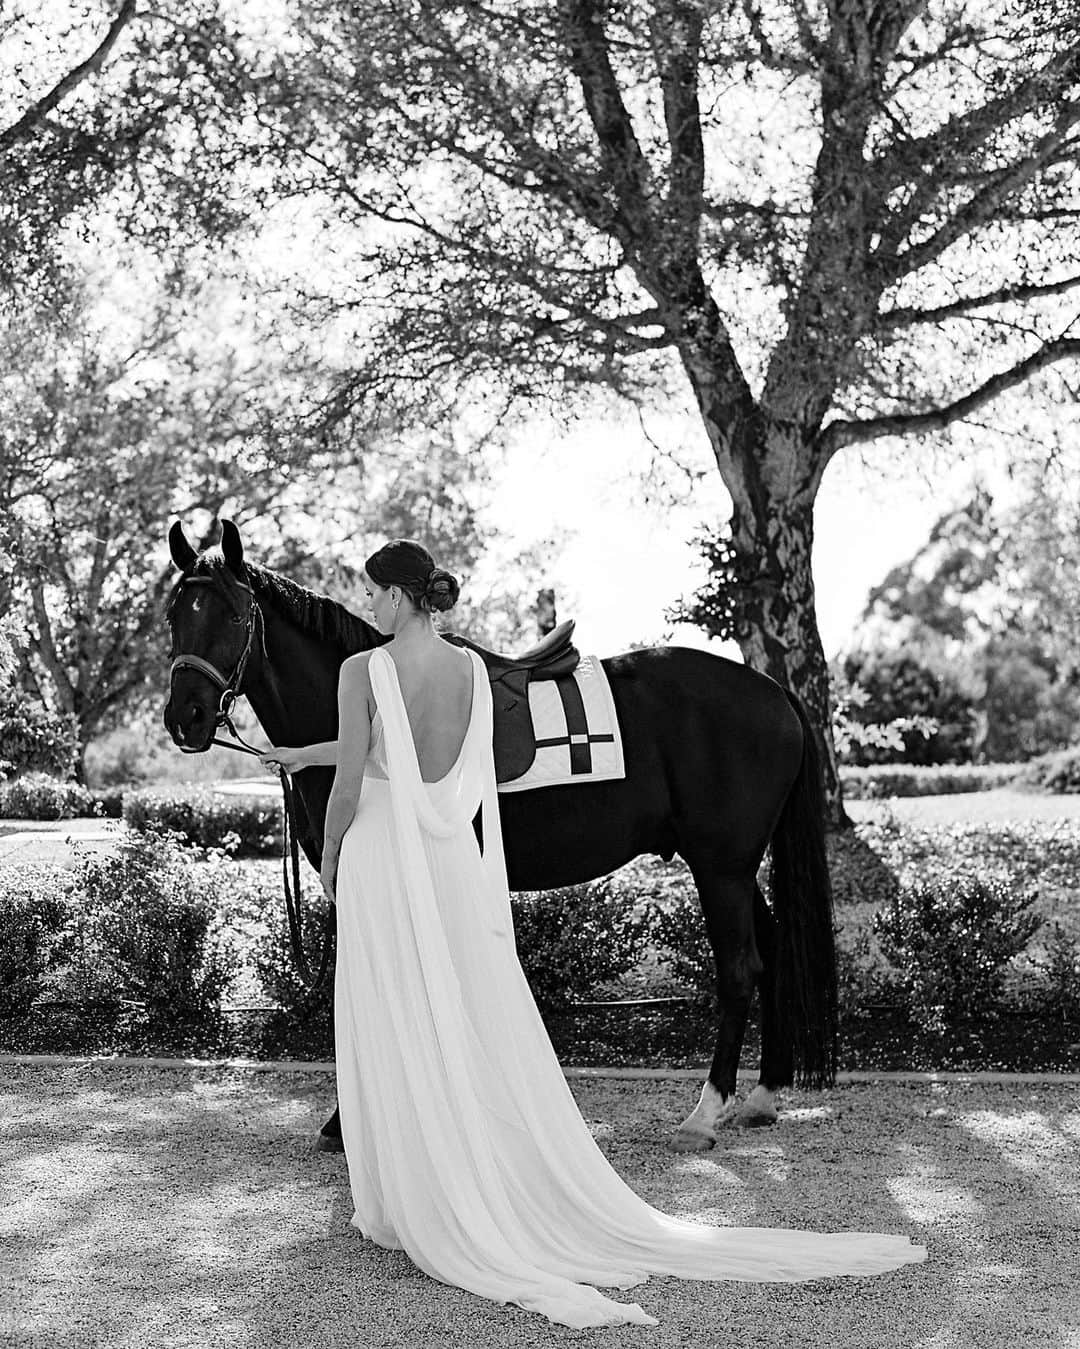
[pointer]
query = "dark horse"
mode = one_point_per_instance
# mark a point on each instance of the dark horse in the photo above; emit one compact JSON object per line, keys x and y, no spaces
{"x":720,"y":762}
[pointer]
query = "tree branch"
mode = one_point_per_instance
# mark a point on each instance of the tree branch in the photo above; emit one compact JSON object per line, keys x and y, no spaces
{"x":985,"y":203}
{"x":838,"y":434}
{"x":907,"y":317}
{"x":33,"y":115}
{"x":936,"y":161}
{"x":677,"y":44}
{"x":626,"y":165}
{"x":43,"y":646}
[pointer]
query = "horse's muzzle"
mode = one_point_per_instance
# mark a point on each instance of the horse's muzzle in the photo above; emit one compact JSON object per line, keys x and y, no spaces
{"x":192,"y":729}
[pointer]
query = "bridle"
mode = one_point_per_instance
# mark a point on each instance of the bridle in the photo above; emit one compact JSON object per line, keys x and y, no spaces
{"x":255,"y":625}
{"x":229,"y":685}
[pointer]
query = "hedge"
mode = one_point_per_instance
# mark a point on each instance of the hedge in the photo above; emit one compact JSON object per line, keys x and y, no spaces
{"x":35,"y":941}
{"x":207,"y":818}
{"x":243,"y":825}
{"x":884,"y":780}
{"x":1058,"y":774}
{"x":126,"y":950}
{"x":150,"y":927}
{"x":38,"y":796}
{"x":923,"y":913}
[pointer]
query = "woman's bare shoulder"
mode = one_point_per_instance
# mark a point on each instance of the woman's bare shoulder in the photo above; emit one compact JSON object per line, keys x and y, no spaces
{"x":355,"y":671}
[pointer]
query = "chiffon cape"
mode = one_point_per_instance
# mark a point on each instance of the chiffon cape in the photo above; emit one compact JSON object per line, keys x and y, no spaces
{"x":464,"y":1144}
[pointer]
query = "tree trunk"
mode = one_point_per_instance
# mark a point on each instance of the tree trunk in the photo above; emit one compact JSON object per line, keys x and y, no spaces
{"x":772,"y":473}
{"x":778,"y":629}
{"x":79,"y":768}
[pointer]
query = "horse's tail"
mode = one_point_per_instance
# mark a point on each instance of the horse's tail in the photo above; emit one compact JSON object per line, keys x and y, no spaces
{"x":806,"y":993}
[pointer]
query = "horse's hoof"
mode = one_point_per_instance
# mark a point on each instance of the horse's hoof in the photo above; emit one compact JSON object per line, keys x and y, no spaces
{"x":757,"y":1119}
{"x":691,"y":1140}
{"x":759,"y":1109}
{"x":329,"y":1143}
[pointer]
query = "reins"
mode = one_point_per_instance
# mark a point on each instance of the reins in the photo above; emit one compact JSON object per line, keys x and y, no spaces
{"x":290,"y":843}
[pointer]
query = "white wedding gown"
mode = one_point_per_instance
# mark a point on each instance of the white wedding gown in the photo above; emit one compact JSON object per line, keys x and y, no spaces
{"x":464,"y":1144}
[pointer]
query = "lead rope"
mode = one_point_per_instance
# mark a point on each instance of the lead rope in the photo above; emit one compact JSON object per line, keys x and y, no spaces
{"x":290,"y":857}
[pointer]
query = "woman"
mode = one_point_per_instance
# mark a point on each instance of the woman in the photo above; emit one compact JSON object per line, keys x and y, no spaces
{"x":464,"y":1144}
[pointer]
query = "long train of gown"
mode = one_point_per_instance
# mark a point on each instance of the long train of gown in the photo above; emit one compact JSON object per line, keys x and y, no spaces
{"x":464,"y":1144}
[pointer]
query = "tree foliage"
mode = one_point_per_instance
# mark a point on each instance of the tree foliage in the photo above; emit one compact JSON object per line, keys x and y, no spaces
{"x":770,"y":208}
{"x":822,"y":223}
{"x":141,"y":113}
{"x":102,"y":445}
{"x":986,"y":608}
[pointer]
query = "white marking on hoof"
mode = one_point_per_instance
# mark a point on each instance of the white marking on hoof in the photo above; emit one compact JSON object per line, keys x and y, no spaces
{"x":698,"y":1131}
{"x":759,"y":1111}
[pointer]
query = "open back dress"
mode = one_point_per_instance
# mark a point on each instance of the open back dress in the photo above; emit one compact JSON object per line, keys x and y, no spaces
{"x":464,"y":1144}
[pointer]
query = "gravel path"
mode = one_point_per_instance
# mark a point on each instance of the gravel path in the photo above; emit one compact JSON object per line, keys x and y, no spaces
{"x":187,"y":1207}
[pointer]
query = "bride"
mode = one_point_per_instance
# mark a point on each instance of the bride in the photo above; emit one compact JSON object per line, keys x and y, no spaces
{"x":464,"y":1144}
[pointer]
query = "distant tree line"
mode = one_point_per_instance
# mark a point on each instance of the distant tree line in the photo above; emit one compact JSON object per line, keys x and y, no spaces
{"x":978,"y":632}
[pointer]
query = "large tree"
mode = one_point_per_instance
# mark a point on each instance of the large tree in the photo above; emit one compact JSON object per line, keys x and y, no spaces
{"x":136,"y":111}
{"x":98,"y":446}
{"x":832,"y":221}
{"x":102,"y":444}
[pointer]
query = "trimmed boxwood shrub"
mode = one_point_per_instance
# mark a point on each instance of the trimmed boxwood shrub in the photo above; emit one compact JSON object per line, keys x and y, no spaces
{"x":34,"y":937}
{"x":571,"y":940}
{"x":37,"y":796}
{"x":874,"y":783}
{"x":247,"y":826}
{"x":149,"y":929}
{"x":1060,"y":971}
{"x":302,"y":1020}
{"x":950,"y":938}
{"x":1058,"y":774}
{"x":1035,"y":853}
{"x":677,"y":934}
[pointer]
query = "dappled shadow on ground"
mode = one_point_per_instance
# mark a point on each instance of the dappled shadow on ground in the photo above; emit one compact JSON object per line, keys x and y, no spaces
{"x":149,"y":1207}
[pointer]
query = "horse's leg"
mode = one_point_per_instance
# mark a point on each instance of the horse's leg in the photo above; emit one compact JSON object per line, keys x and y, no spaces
{"x":777,"y":1068}
{"x":329,"y":1139}
{"x":728,"y":906}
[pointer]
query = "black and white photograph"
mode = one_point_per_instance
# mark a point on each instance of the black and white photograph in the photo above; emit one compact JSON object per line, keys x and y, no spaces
{"x":539,"y":674}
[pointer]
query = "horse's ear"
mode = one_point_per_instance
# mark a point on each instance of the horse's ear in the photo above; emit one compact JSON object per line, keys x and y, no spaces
{"x":231,"y":548}
{"x":182,"y":552}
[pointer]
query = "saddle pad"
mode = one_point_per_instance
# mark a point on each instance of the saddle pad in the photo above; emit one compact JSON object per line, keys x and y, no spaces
{"x":573,"y":743}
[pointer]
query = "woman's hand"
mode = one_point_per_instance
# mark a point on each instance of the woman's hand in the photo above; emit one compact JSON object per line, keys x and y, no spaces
{"x":328,"y":872}
{"x":292,"y":759}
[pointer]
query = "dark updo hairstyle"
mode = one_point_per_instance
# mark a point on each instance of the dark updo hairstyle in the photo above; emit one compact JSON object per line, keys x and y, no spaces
{"x":408,"y":564}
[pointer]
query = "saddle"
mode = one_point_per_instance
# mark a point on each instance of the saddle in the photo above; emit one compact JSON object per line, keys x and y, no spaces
{"x":553,"y":657}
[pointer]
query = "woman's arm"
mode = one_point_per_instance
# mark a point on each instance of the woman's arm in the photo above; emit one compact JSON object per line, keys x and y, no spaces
{"x":294,"y":757}
{"x":354,"y":738}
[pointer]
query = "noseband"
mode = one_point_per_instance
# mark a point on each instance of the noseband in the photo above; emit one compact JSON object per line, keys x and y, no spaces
{"x":229,"y":685}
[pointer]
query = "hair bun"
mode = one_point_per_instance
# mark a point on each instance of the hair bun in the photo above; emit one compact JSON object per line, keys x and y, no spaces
{"x":441,"y":591}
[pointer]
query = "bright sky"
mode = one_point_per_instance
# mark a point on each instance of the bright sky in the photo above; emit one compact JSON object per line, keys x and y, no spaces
{"x":624,"y":558}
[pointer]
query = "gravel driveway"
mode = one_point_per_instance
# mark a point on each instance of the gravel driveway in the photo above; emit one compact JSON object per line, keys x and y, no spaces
{"x":187,"y":1207}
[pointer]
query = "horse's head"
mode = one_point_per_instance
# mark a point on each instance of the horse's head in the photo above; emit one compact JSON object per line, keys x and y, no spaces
{"x":216,"y":629}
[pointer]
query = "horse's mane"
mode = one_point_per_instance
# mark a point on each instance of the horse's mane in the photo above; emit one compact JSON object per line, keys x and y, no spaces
{"x":316,"y":615}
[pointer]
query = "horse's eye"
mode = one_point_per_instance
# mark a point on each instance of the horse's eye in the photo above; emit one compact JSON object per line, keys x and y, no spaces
{"x":237,"y":618}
